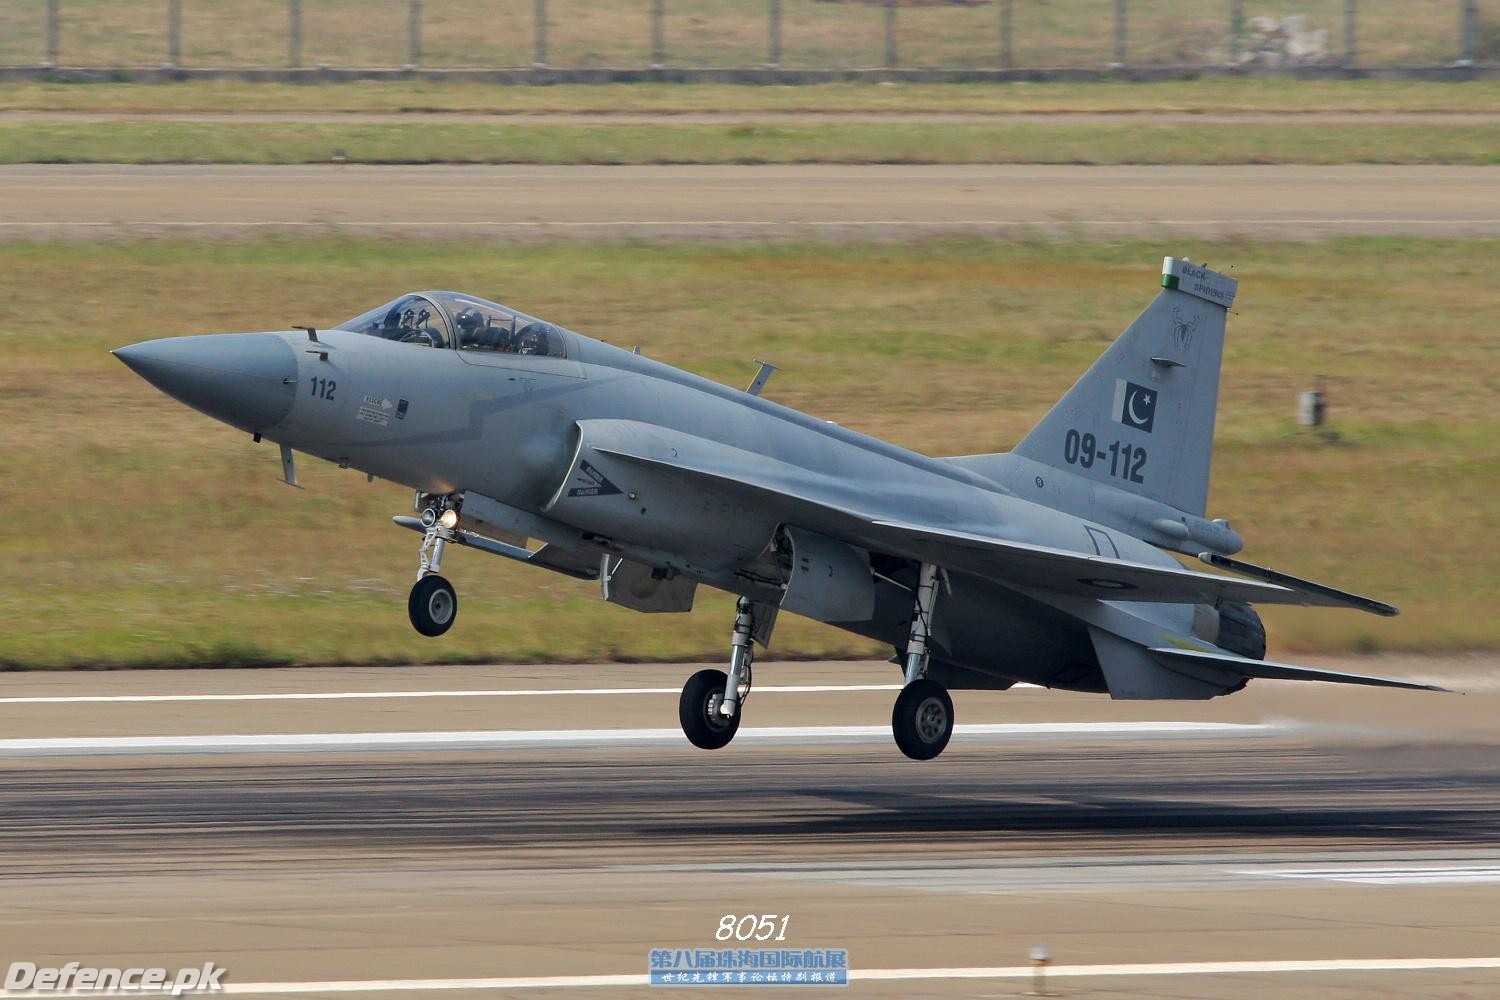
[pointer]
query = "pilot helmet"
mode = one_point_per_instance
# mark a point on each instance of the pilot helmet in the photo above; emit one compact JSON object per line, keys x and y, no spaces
{"x":470,"y":321}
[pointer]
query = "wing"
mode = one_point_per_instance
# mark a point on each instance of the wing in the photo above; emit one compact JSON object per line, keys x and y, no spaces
{"x":803,"y":497}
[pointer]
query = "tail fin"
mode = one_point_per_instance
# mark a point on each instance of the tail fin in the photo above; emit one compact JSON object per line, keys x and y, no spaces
{"x":1142,"y":418}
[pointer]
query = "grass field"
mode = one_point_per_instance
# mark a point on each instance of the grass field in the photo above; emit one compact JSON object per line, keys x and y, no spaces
{"x":597,"y":33}
{"x":1207,"y":95}
{"x":297,"y":142}
{"x":141,"y":532}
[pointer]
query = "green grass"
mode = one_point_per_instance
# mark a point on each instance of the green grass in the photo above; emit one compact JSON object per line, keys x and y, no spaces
{"x":1215,"y":95}
{"x":143,"y":533}
{"x":179,"y":142}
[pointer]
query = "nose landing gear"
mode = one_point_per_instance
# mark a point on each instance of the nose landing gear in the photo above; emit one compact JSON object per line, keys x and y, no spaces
{"x":433,"y":603}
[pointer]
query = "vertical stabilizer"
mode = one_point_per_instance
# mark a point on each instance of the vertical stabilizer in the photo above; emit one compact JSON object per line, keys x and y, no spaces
{"x":1142,"y":418}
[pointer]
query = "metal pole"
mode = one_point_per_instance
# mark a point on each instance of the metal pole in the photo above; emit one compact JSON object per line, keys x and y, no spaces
{"x":54,"y":33}
{"x":1119,"y":60}
{"x":414,"y":35}
{"x":890,"y":34}
{"x":539,"y":56}
{"x":1467,"y":27}
{"x":294,"y":33}
{"x":1351,"y":38}
{"x":1007,"y":60}
{"x":658,"y":34}
{"x":1236,"y":28}
{"x":174,"y":33}
{"x":773,"y":57}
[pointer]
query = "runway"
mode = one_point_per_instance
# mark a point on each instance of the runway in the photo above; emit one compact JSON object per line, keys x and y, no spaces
{"x":736,"y":202}
{"x":1293,"y":840}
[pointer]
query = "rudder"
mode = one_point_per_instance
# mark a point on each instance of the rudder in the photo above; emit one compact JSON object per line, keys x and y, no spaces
{"x":1141,"y":419}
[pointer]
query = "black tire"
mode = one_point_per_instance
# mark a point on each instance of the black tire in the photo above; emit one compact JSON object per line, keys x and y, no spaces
{"x":698,"y":710}
{"x":922,"y":720}
{"x":432,"y":606}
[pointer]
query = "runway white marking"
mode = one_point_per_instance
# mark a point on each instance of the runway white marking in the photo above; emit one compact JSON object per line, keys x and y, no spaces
{"x":580,"y":738}
{"x":1482,"y":875}
{"x":362,"y":695}
{"x":855,"y":975}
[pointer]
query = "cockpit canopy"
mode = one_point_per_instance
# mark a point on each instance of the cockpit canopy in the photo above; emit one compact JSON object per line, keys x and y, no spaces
{"x":462,"y":322}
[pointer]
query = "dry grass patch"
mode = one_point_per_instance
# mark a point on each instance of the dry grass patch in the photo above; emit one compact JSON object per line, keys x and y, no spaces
{"x":144,"y":533}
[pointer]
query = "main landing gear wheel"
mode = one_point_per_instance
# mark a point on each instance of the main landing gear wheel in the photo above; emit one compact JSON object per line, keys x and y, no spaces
{"x":698,"y":709}
{"x":922,"y":719}
{"x":432,"y":606}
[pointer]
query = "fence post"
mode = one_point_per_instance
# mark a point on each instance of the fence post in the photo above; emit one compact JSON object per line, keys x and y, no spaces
{"x":890,"y":34}
{"x":658,"y":34}
{"x":414,"y":35}
{"x":1007,"y":61}
{"x":1351,"y":37}
{"x":539,"y":31}
{"x":1467,"y":27}
{"x":773,"y":56}
{"x":294,"y":33}
{"x":1119,"y":60}
{"x":174,"y":33}
{"x":54,"y":33}
{"x":1236,"y":29}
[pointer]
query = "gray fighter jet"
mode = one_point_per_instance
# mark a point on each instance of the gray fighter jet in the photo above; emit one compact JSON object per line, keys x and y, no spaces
{"x":1051,"y":564}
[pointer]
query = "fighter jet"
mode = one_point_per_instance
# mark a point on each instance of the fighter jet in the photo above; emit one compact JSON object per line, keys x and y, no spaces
{"x":1053,"y":564}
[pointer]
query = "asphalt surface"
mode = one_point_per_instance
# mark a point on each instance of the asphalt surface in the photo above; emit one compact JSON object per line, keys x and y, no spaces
{"x":1325,"y":842}
{"x":591,"y":202}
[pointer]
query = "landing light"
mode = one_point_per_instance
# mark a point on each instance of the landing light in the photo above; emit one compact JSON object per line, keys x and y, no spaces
{"x":449,"y":518}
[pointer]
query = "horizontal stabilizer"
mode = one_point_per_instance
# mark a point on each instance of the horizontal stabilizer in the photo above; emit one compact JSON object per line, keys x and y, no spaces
{"x":1329,"y":594}
{"x":1279,"y":671}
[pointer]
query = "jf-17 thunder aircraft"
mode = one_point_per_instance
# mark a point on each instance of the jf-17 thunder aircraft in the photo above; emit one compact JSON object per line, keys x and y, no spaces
{"x":1051,"y":564}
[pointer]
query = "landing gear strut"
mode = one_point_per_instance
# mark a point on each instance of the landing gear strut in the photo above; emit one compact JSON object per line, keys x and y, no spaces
{"x":433,"y":603}
{"x":712,"y":701}
{"x":922,"y":719}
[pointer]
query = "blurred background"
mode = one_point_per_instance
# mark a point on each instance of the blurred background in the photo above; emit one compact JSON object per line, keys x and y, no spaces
{"x":795,"y":34}
{"x":144,"y":534}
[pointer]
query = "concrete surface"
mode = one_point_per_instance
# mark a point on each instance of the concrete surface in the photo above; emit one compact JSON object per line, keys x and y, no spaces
{"x":1293,"y":202}
{"x":1363,"y":831}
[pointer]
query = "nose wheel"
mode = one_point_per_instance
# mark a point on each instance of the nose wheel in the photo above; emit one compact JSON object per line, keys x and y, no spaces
{"x":432,"y":606}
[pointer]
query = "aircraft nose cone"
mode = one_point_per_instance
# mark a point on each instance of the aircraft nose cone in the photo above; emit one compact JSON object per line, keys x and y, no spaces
{"x":247,"y":380}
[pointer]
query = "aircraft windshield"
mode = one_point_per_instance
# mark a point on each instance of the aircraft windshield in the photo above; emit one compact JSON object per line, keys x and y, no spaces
{"x":444,"y":319}
{"x":411,"y":319}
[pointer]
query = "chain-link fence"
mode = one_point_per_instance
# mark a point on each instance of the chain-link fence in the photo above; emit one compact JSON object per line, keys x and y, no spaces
{"x":791,"y":34}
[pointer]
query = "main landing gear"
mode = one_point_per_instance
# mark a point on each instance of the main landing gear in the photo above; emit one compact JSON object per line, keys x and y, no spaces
{"x":711,"y":702}
{"x":433,"y":604}
{"x":922,"y":719}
